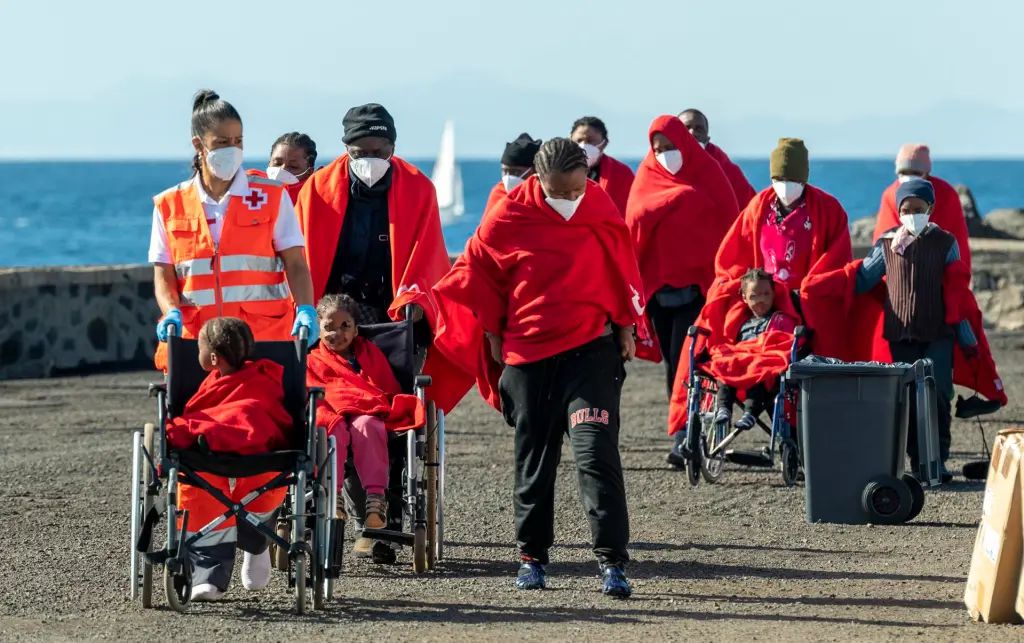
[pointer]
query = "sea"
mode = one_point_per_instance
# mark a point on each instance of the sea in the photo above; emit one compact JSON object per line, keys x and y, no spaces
{"x":66,"y":213}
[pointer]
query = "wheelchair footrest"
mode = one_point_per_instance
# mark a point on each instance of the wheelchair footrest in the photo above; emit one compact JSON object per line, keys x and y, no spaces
{"x":748,"y":458}
{"x":389,"y":536}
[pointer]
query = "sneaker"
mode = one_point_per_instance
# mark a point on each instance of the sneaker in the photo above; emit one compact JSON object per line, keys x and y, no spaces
{"x":256,"y":570}
{"x":531,"y":576}
{"x":746,"y":422}
{"x":723,"y":416}
{"x":206,"y":592}
{"x":383,"y":554}
{"x":363,"y":548}
{"x":376,"y":511}
{"x":975,"y":406}
{"x":615,"y":583}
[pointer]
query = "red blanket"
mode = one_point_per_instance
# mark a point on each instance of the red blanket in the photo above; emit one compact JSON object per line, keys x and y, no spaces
{"x":616,"y":179}
{"x":863,"y":315}
{"x":738,"y":364}
{"x":497,"y":194}
{"x":348,"y":394}
{"x":418,"y":254}
{"x":741,"y":187}
{"x":239,"y":413}
{"x":948,"y":214}
{"x":830,"y":249}
{"x":543,"y":284}
{"x":678,"y":220}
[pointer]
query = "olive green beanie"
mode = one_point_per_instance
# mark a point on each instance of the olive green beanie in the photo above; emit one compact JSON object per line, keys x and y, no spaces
{"x":789,"y":161}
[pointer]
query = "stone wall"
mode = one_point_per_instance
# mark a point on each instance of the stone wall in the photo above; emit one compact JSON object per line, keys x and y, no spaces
{"x":73,"y":319}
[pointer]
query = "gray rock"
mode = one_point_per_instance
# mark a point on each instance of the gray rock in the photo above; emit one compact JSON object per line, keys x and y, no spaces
{"x":862,"y":230}
{"x":1009,"y":221}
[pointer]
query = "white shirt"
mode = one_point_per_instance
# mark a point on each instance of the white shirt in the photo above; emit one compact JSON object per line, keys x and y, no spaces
{"x":287,"y":233}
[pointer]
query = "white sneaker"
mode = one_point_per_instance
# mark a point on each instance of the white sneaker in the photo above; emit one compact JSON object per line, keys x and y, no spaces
{"x":206,"y":592}
{"x":256,"y":570}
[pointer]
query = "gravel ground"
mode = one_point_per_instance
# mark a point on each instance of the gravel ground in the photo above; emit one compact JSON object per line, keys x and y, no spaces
{"x":719,"y":562}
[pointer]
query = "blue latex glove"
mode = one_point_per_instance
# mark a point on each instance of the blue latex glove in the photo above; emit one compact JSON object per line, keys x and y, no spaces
{"x":306,"y":316}
{"x":172,"y":318}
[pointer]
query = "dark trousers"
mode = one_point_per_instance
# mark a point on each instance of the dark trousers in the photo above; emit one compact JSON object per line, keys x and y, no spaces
{"x":941,"y":354}
{"x":758,"y":398}
{"x":670,"y":325}
{"x":576,"y":392}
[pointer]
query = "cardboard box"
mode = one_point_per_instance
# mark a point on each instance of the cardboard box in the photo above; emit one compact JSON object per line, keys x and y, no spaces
{"x":993,"y":582}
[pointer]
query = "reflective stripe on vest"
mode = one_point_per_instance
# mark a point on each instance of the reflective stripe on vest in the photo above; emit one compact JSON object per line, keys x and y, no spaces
{"x":228,"y":263}
{"x":235,"y":294}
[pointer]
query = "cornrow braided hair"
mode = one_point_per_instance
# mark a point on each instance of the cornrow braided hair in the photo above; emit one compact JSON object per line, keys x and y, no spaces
{"x":753,"y":277}
{"x":229,"y":337}
{"x":559,"y":155}
{"x":330,"y":303}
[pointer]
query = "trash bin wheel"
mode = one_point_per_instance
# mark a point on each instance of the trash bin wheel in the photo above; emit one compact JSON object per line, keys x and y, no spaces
{"x":916,"y":495}
{"x":790,"y":457}
{"x":886,"y":500}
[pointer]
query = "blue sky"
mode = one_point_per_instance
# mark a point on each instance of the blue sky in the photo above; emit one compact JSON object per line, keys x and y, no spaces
{"x":114,"y":79}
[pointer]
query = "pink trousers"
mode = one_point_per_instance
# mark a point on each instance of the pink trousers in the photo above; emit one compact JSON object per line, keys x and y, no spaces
{"x":369,"y":440}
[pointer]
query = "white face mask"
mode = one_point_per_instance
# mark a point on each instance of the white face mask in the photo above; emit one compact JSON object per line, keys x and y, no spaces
{"x":369,"y":169}
{"x":564,"y":207}
{"x":788,"y":191}
{"x":593,"y":153}
{"x":224,"y":162}
{"x":915,"y":223}
{"x":510,"y":181}
{"x":671,"y":160}
{"x":278,"y":173}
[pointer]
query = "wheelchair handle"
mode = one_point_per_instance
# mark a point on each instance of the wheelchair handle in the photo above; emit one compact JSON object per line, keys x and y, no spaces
{"x":302,"y":343}
{"x":693,"y":331}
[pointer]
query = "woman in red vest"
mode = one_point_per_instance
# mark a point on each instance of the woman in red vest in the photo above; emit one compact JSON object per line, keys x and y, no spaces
{"x":225,"y":244}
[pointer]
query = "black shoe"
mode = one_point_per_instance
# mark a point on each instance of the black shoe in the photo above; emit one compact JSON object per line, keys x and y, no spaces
{"x":975,"y":406}
{"x":675,"y":455}
{"x":615,"y":583}
{"x":531,"y":576}
{"x":383,"y":553}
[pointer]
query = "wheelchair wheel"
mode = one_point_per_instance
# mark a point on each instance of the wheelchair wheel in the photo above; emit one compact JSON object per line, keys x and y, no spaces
{"x":916,"y":495}
{"x":430,"y":475}
{"x":692,"y":452}
{"x":278,"y":556}
{"x":323,"y":514}
{"x":299,"y":567}
{"x":790,"y":457}
{"x":711,"y":467}
{"x":148,"y":438}
{"x":419,"y":550}
{"x":441,"y":457}
{"x":178,"y":588}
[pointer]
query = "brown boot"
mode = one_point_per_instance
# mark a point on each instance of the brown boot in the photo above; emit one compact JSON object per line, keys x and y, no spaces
{"x":376,"y":511}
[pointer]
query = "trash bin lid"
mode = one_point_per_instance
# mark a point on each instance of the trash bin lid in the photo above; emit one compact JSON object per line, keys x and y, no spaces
{"x":815,"y":366}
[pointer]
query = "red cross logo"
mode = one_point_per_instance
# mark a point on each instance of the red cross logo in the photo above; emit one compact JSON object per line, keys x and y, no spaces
{"x":256,"y":199}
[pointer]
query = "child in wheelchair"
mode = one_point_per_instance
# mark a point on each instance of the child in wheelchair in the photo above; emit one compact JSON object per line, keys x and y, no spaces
{"x":239,"y":409}
{"x":762,"y":316}
{"x":362,"y":400}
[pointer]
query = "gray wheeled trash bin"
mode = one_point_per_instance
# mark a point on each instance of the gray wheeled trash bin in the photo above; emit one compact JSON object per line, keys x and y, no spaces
{"x":853,"y":438}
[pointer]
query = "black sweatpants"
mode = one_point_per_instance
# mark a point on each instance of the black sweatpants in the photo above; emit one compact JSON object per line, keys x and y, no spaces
{"x":941,"y":354}
{"x":576,"y":392}
{"x":758,"y":398}
{"x":670,"y":325}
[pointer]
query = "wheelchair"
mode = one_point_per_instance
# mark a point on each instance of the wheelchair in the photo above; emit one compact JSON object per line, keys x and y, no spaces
{"x":416,"y":494}
{"x":308,"y":470}
{"x":707,"y":442}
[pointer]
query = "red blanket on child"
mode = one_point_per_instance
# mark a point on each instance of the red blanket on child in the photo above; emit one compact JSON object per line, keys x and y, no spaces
{"x":738,"y":364}
{"x":239,"y":413}
{"x":418,"y":253}
{"x":543,"y":284}
{"x":678,"y":220}
{"x":863,"y":320}
{"x":374,"y":391}
{"x":830,"y":249}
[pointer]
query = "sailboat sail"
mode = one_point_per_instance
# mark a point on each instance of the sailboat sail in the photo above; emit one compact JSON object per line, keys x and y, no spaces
{"x":447,"y":176}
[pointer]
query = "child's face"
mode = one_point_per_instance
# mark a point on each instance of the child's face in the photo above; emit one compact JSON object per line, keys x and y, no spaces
{"x":338,"y":330}
{"x":759,"y":297}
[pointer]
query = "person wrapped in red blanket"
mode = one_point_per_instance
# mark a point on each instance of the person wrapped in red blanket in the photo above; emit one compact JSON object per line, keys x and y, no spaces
{"x":239,"y":408}
{"x":516,"y":167}
{"x":761,"y":349}
{"x":923,"y":309}
{"x":614,"y":176}
{"x":551,"y":277}
{"x":948,"y":213}
{"x":362,"y":401}
{"x":680,"y":208}
{"x":697,"y":124}
{"x":373,"y":232}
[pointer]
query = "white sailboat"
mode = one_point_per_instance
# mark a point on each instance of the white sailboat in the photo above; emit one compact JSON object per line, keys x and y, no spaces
{"x":447,"y":177}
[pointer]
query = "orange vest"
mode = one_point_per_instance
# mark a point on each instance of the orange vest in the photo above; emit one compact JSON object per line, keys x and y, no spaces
{"x":241,"y":276}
